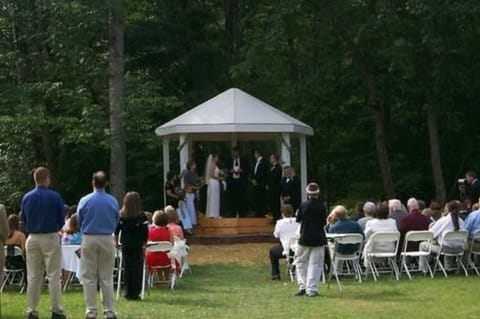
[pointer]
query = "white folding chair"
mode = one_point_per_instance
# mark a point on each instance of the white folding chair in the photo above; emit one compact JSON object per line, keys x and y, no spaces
{"x":290,"y":260}
{"x":417,"y":236}
{"x":149,"y":272}
{"x":118,"y":270}
{"x":180,"y":250}
{"x":474,"y":251}
{"x":460,"y":238}
{"x":354,"y":258}
{"x":13,"y":273}
{"x":386,"y":239}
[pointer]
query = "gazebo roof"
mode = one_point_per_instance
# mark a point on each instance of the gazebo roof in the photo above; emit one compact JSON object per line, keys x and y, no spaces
{"x":234,"y":111}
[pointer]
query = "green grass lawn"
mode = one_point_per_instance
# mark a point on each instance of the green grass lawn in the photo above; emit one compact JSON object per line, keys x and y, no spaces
{"x":233,"y":291}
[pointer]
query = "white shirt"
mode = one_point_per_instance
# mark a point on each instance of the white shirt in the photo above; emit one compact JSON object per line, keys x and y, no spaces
{"x":444,"y":225}
{"x":376,"y":225}
{"x":285,"y":228}
{"x":256,"y":164}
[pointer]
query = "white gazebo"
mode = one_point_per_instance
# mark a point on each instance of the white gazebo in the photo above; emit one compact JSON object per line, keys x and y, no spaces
{"x":232,"y":116}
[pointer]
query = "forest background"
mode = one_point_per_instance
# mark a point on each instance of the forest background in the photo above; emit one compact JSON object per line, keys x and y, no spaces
{"x":391,"y":88}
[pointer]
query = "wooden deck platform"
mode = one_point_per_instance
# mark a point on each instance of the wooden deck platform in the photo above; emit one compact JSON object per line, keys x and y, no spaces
{"x":233,"y":230}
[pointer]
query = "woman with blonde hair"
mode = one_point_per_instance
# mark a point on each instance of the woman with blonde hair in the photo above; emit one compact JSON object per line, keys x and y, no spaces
{"x":132,"y":232}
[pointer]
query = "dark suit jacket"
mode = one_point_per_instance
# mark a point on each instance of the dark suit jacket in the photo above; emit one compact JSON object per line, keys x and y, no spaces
{"x":244,"y":166}
{"x":274,"y":181}
{"x":291,"y":187}
{"x":474,"y":191}
{"x":261,"y":175}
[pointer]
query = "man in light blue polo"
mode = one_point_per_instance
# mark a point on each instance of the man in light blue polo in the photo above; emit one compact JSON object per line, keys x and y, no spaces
{"x":98,"y":215}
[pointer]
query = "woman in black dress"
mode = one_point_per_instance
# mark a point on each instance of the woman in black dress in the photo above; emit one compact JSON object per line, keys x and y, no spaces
{"x":132,"y":231}
{"x":170,"y":189}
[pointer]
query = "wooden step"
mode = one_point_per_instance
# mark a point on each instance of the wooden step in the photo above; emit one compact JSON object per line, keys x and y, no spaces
{"x":234,"y":226}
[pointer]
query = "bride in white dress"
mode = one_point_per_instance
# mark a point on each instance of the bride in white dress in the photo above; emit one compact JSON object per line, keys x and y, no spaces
{"x":213,"y":180}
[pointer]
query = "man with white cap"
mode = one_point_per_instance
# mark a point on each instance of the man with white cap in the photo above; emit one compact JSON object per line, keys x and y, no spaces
{"x":310,"y":253}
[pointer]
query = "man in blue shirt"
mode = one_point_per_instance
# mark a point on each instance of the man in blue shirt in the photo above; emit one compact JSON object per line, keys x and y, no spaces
{"x":472,"y":224}
{"x":98,"y":215}
{"x":43,"y":217}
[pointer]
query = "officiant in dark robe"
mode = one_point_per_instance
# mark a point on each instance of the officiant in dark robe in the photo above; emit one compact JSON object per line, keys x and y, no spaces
{"x":237,"y":183}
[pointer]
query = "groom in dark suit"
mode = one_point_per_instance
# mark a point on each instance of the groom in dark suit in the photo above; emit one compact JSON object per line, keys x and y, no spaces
{"x":237,"y":183}
{"x":274,"y":186}
{"x":259,"y":181}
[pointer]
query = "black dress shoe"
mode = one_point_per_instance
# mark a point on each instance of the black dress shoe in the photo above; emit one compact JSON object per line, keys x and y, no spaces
{"x":32,"y":315}
{"x":276,"y":277}
{"x":301,"y":292}
{"x":58,"y":316}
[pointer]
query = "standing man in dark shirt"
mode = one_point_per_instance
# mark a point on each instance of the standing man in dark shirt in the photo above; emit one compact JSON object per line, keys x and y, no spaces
{"x":473,"y":192}
{"x":291,"y":192}
{"x":274,"y":187}
{"x":237,"y":183}
{"x":310,"y":253}
{"x":259,"y":180}
{"x":43,"y":217}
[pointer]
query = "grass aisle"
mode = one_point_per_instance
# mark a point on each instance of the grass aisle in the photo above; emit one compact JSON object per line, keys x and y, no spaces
{"x":242,"y":290}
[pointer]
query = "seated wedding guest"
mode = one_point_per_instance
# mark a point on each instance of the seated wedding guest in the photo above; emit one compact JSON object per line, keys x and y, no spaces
{"x":437,"y":210}
{"x":15,"y":236}
{"x":369,"y":211}
{"x":415,"y":220}
{"x":396,"y":211}
{"x":159,"y":232}
{"x":421,"y":204}
{"x":450,"y":222}
{"x":149,"y":218}
{"x":72,"y":234}
{"x":382,"y":223}
{"x":70,"y":210}
{"x":173,"y":225}
{"x":170,"y":189}
{"x":429,"y":213}
{"x":285,"y":228}
{"x":358,"y":212}
{"x":472,"y":223}
{"x":183,"y":213}
{"x":3,"y":237}
{"x":343,"y":225}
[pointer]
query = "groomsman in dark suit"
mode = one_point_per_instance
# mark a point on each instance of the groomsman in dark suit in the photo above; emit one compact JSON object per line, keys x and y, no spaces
{"x":237,"y":183}
{"x":259,"y":181}
{"x":274,"y":186}
{"x":291,"y":191}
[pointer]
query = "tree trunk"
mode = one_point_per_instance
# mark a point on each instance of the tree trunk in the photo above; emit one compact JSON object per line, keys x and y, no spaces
{"x":382,"y":152}
{"x":115,"y":93}
{"x":440,"y":193}
{"x":231,"y":12}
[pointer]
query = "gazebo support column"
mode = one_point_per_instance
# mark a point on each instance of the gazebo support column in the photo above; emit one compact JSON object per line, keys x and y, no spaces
{"x":183,"y":148}
{"x":303,"y":165}
{"x":285,"y":155}
{"x":166,"y":160}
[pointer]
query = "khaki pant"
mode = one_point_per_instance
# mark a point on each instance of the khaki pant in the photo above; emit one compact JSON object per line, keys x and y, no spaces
{"x":98,"y":257}
{"x":309,"y":265}
{"x":44,"y":255}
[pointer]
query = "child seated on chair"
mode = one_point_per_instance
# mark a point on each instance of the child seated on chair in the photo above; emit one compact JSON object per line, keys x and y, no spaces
{"x":159,"y":232}
{"x":173,"y":225}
